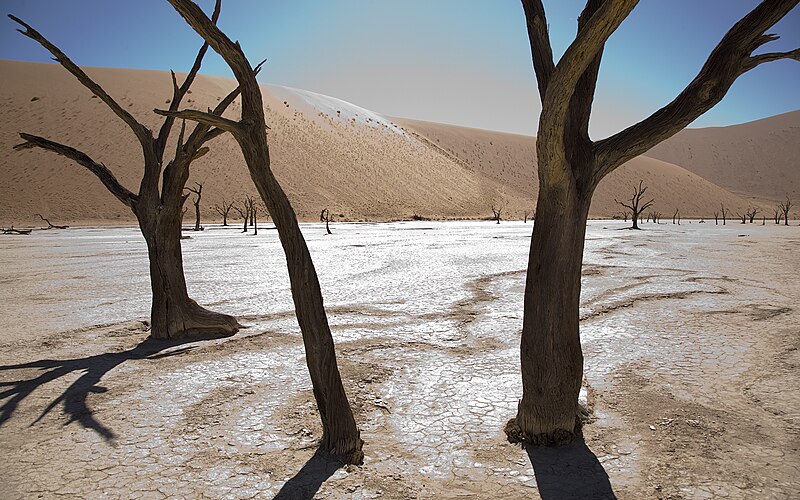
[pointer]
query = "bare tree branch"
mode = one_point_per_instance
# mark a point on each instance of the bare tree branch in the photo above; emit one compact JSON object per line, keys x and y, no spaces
{"x":206,"y":118}
{"x":730,"y":59}
{"x":178,"y":93}
{"x":142,"y":133}
{"x":101,"y":171}
{"x":541,"y":50}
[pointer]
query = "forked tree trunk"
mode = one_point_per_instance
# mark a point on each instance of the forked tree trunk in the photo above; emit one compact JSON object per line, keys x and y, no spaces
{"x":552,"y":361}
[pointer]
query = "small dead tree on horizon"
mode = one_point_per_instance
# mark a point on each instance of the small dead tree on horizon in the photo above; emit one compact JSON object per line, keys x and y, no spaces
{"x":223,"y":209}
{"x":243,"y":213}
{"x":50,"y":225}
{"x":752,"y":212}
{"x":724,"y":212}
{"x":676,"y":216}
{"x":635,"y":204}
{"x":497,"y":210}
{"x":325,"y":216}
{"x":777,"y":215}
{"x":198,"y":193}
{"x":785,"y":206}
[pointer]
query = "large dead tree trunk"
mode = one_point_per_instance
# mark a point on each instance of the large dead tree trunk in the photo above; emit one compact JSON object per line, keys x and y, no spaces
{"x":157,"y":205}
{"x":570,"y":167}
{"x":340,"y":435}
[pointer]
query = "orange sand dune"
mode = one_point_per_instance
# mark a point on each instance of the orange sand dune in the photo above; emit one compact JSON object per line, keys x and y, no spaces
{"x":511,"y":160}
{"x":759,"y":158}
{"x":326,"y":152}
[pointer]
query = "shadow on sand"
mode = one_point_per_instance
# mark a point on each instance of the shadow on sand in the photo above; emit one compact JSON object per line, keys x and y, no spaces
{"x":305,"y":484}
{"x":569,"y":472}
{"x":75,"y":396}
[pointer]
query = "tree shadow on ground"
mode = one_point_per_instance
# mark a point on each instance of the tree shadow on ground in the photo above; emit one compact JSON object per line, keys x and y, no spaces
{"x":75,"y":396}
{"x":305,"y":484}
{"x":571,"y":471}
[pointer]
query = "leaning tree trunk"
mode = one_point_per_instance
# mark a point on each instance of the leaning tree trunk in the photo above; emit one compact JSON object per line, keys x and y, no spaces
{"x":552,"y":361}
{"x":340,"y":435}
{"x":173,"y":314}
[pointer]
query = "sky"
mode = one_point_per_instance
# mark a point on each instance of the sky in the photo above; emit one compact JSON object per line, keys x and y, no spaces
{"x":464,"y":62}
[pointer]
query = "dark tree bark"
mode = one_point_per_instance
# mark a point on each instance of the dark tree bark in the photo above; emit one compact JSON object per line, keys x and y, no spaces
{"x":223,"y":209}
{"x":340,"y":435}
{"x":570,"y":167}
{"x":635,"y":204}
{"x":724,"y":212}
{"x":157,"y":205}
{"x":785,"y":207}
{"x":752,"y":212}
{"x":198,"y":193}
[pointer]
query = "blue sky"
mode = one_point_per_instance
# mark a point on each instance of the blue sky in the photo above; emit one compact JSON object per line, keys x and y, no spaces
{"x":455,"y":61}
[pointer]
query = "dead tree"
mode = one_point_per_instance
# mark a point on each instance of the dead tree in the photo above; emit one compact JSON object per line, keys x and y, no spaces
{"x":742,"y":217}
{"x":752,"y":212}
{"x":50,"y":225}
{"x":223,"y":209}
{"x":243,"y":213}
{"x":785,"y":207}
{"x":12,"y":230}
{"x":716,"y":218}
{"x":525,"y":214}
{"x":340,"y":435}
{"x":676,"y":217}
{"x":157,"y":204}
{"x":325,"y":216}
{"x":497,"y":210}
{"x":635,"y":204}
{"x":777,"y":214}
{"x":724,"y":212}
{"x":198,"y":193}
{"x":570,"y":166}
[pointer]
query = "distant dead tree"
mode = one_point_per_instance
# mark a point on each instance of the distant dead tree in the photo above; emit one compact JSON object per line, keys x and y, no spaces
{"x":244,"y":214}
{"x":49,"y":224}
{"x":157,"y":204}
{"x":752,"y":212}
{"x":635,"y":204}
{"x":223,"y":209}
{"x":12,"y":230}
{"x":340,"y":434}
{"x":676,"y":217}
{"x":763,"y":220}
{"x":785,"y":207}
{"x":198,"y":193}
{"x":654,"y":216}
{"x":525,"y":214}
{"x":777,"y":214}
{"x":325,"y":216}
{"x":716,"y":218}
{"x":570,"y":166}
{"x":497,"y":209}
{"x":742,"y":217}
{"x":724,"y":212}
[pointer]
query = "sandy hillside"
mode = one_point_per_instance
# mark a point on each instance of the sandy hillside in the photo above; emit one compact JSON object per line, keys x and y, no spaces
{"x":510,"y":159}
{"x":758,"y":158}
{"x":327,"y":153}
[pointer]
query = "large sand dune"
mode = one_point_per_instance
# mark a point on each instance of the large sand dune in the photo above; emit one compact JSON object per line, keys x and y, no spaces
{"x":511,"y":160}
{"x":327,"y":153}
{"x":758,"y":158}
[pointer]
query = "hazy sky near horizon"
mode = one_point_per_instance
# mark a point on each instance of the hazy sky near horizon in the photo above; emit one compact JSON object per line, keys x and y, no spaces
{"x":465,"y":62}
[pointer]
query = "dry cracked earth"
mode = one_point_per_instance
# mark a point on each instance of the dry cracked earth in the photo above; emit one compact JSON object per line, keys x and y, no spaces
{"x":691,"y":370}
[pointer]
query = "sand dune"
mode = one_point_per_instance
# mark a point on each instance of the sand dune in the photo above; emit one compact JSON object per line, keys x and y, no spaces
{"x":511,"y":159}
{"x":758,"y":158}
{"x":327,"y":153}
